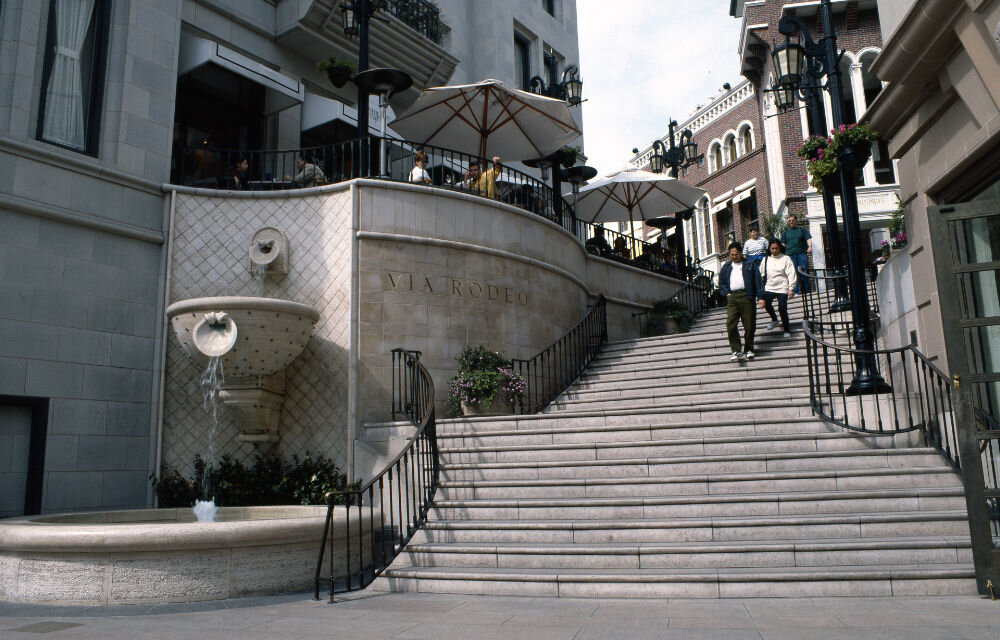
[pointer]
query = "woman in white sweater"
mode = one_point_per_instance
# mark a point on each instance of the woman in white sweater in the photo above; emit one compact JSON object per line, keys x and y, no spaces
{"x":778,"y":272}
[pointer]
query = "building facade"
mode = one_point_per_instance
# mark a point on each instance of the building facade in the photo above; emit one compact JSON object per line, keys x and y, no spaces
{"x":101,"y":101}
{"x":939,"y":110}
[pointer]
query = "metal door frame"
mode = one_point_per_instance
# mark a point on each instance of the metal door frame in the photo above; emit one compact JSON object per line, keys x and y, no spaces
{"x":974,"y":436}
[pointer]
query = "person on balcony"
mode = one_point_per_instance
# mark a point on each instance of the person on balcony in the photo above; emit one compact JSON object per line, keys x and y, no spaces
{"x":622,"y":251}
{"x":755,"y":248}
{"x":778,"y":273}
{"x":235,"y":176}
{"x":485,"y":183}
{"x":740,"y":283}
{"x":597,"y":244}
{"x":419,"y":174}
{"x":798,"y":245}
{"x":309,"y":175}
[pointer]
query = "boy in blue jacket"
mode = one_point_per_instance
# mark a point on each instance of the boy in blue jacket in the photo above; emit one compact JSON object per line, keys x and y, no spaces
{"x":740,"y":282}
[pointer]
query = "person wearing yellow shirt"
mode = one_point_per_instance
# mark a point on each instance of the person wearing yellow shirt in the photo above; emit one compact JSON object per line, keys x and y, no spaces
{"x":485,"y":182}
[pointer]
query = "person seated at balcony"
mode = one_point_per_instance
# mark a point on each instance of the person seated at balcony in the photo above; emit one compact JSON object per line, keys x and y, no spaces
{"x":622,"y":251}
{"x":309,"y":175}
{"x":755,"y":248}
{"x":598,"y":244}
{"x":235,"y":176}
{"x":669,"y":265}
{"x":483,"y":182}
{"x":419,"y":174}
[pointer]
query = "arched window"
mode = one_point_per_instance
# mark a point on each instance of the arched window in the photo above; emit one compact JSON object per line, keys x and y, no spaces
{"x":714,"y":157}
{"x":871,"y":84}
{"x":730,"y":148}
{"x":850,"y":109}
{"x":746,"y":139}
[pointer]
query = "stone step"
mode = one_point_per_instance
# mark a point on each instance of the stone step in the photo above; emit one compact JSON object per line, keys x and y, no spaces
{"x":666,"y":396}
{"x":812,"y":481}
{"x":772,"y":379}
{"x":715,"y":368}
{"x":542,"y":434}
{"x":701,"y":555}
{"x":674,"y":448}
{"x":694,"y":344}
{"x":668,"y":361}
{"x":719,"y":528}
{"x":877,"y":459}
{"x":872,"y":581}
{"x":704,"y":506}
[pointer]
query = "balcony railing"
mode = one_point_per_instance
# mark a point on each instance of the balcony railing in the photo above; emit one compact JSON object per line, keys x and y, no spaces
{"x":420,"y":15}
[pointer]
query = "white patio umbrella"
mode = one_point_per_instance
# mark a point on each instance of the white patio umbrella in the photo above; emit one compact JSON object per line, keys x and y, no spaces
{"x":633,"y":194}
{"x":487,"y":119}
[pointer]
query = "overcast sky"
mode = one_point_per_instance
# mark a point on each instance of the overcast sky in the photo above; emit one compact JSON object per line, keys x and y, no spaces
{"x":644,"y":61}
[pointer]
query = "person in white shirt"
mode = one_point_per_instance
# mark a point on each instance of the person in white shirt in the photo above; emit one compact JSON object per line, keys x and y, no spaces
{"x":419,"y":174}
{"x":755,"y":248}
{"x":778,"y":272}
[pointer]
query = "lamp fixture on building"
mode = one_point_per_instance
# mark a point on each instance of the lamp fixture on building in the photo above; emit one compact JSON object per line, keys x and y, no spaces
{"x":356,"y":14}
{"x":800,"y":64}
{"x":570,"y":89}
{"x":675,"y":156}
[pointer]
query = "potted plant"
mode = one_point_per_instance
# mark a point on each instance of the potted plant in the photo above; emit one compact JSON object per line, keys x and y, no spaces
{"x":337,"y":70}
{"x":852,"y":142}
{"x":485,"y":385}
{"x":668,"y":316}
{"x":571,"y":155}
{"x":771,"y":225}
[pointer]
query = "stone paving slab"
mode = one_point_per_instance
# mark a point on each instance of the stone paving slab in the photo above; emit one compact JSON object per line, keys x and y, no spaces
{"x":370,"y":615}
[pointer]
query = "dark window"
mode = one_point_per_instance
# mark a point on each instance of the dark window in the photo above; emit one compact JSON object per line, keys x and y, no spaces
{"x":550,"y":7}
{"x":76,"y":47}
{"x":23,"y":424}
{"x":522,"y":62}
{"x":821,"y":128}
{"x":884,"y":173}
{"x":551,"y":68}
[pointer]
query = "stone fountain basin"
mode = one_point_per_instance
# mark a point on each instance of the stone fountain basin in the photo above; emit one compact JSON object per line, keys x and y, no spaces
{"x":271,"y":332}
{"x":164,"y":555}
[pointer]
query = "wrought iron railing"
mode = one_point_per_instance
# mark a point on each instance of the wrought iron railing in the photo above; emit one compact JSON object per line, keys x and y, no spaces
{"x":395,"y":502}
{"x":695,"y":296}
{"x":268,"y":170}
{"x":919,"y":396}
{"x":420,"y":15}
{"x":823,"y":285}
{"x":554,"y":369}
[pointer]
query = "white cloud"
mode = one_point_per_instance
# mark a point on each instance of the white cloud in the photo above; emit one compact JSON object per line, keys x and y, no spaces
{"x":644,"y":61}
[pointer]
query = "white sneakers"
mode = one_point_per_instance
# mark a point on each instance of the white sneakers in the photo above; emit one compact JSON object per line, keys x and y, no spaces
{"x":749,"y":355}
{"x":786,"y":335}
{"x":771,"y":325}
{"x":737,"y":356}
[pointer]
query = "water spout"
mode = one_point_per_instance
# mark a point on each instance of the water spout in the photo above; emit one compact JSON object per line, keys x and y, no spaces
{"x":212,"y":382}
{"x":259,"y":270}
{"x":205,"y":511}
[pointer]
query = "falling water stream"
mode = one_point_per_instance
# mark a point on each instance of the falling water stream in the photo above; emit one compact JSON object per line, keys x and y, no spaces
{"x":211,"y":383}
{"x":259,"y":270}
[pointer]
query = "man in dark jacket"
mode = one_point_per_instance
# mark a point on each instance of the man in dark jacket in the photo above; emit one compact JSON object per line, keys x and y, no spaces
{"x":740,"y":282}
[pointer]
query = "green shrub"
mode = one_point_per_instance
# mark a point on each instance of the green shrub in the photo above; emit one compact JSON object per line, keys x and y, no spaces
{"x":269,"y":480}
{"x":656,"y":321}
{"x":482,"y":374}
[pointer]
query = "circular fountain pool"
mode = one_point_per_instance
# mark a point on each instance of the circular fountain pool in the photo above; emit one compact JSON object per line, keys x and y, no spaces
{"x":164,"y":555}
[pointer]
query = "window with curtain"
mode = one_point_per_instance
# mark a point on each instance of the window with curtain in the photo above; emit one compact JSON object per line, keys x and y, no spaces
{"x":746,"y":139}
{"x":522,"y":62}
{"x":730,"y":149}
{"x":73,"y":74}
{"x":706,"y":219}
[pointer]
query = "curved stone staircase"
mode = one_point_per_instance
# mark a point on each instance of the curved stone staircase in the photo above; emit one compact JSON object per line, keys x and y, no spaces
{"x":667,"y":471}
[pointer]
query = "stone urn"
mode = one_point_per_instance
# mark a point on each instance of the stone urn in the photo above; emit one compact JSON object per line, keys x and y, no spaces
{"x":496,"y":408}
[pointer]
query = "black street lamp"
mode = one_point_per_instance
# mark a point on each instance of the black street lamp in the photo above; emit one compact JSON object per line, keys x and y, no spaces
{"x":383,"y":83}
{"x":808,"y":89}
{"x":570,"y":89}
{"x":793,"y":60}
{"x":675,"y":156}
{"x":356,"y":14}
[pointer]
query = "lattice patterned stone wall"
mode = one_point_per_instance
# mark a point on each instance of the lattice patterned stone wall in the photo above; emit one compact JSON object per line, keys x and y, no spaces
{"x":210,"y":258}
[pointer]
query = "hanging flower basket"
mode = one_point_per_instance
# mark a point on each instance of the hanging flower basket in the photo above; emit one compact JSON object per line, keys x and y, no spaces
{"x":338,"y":71}
{"x":831,"y":183}
{"x":850,"y":143}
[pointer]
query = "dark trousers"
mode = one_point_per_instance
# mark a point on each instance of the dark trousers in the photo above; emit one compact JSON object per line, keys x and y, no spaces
{"x":800,"y":260}
{"x":782,"y":307}
{"x":740,"y":308}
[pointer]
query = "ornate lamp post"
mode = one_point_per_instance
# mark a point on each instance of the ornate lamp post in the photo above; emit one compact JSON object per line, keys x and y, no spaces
{"x":675,"y":156}
{"x":808,"y":89}
{"x":570,"y":89}
{"x":356,"y":14}
{"x":793,"y":60}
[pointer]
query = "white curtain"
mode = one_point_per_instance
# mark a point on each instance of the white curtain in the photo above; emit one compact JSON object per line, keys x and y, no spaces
{"x":64,"y":106}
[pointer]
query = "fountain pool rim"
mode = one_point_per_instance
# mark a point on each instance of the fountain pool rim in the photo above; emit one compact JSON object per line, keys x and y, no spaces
{"x":253,"y":303}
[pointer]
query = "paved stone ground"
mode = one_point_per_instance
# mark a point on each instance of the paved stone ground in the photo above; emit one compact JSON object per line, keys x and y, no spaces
{"x":415,"y":616}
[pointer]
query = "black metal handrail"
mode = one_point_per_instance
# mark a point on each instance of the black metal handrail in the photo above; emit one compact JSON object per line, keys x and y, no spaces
{"x":823,"y":285}
{"x":555,"y":368}
{"x":920,"y":395}
{"x":397,"y":498}
{"x":696,"y":296}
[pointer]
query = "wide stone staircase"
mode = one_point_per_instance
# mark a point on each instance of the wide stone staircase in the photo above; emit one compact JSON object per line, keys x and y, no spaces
{"x":668,"y":471}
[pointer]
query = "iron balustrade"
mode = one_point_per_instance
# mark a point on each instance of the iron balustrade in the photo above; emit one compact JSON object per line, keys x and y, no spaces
{"x":823,"y":288}
{"x":420,"y":15}
{"x":268,"y":170}
{"x":554,"y":369}
{"x":397,"y":498}
{"x":920,"y":399}
{"x":696,"y":296}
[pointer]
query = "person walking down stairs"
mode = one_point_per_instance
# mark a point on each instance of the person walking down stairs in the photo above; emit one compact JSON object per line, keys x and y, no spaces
{"x":778,"y":273}
{"x":740,"y":282}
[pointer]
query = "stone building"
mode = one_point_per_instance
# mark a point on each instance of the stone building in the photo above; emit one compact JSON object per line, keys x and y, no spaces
{"x":939,"y":110}
{"x":96,"y":118}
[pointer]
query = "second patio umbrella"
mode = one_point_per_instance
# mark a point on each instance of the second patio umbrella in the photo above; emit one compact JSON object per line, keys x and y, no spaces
{"x":633,"y":194}
{"x":487,"y":119}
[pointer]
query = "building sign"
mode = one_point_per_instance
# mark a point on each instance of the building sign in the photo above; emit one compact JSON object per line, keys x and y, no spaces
{"x":454,"y":287}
